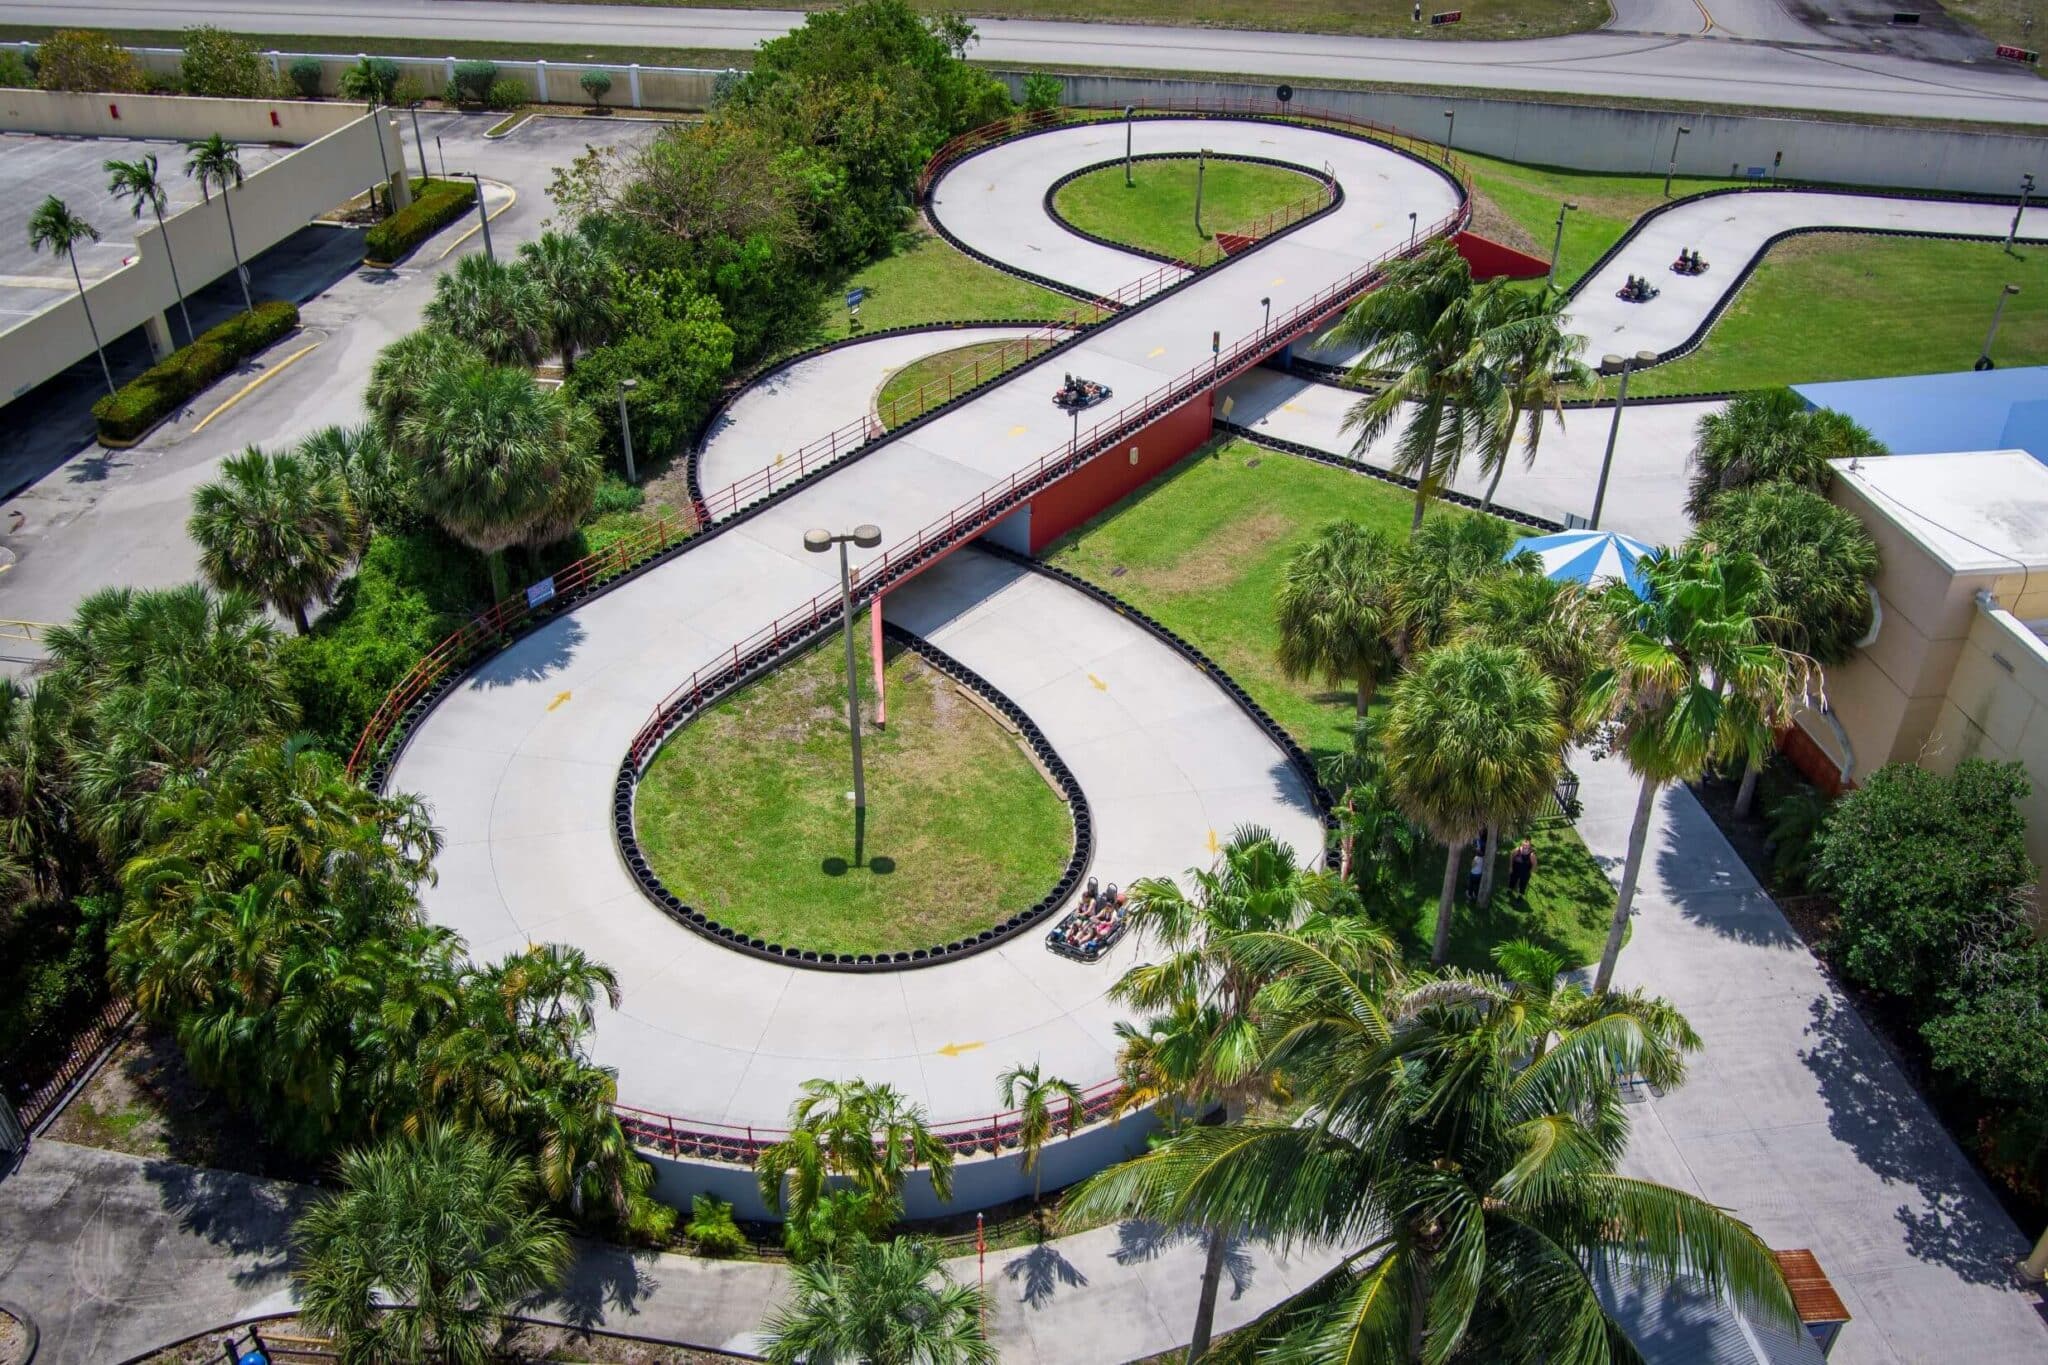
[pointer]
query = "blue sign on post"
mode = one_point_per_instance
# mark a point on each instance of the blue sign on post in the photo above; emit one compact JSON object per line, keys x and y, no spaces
{"x":854,"y":296}
{"x":543,"y":591}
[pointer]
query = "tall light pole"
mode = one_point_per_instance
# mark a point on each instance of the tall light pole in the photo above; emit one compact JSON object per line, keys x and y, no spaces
{"x":2026,"y":188}
{"x":1130,"y":117}
{"x":1450,"y":129}
{"x":626,"y":386}
{"x":1557,"y":242}
{"x":1608,"y":365}
{"x":1411,"y":229}
{"x":377,"y":126}
{"x":1201,"y":165}
{"x":1267,"y":303}
{"x":1984,"y":361}
{"x":866,"y":535}
{"x":441,"y":152}
{"x":1672,"y":169}
{"x":483,"y":214}
{"x":419,"y":141}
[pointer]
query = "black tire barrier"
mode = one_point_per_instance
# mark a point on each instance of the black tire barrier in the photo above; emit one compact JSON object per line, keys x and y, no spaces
{"x":1060,"y":220}
{"x":796,"y":955}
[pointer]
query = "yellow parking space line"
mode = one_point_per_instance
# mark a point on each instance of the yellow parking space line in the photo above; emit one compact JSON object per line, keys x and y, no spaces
{"x":239,"y":394}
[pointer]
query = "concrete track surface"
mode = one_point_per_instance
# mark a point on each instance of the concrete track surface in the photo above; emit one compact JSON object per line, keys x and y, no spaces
{"x":1702,"y":68}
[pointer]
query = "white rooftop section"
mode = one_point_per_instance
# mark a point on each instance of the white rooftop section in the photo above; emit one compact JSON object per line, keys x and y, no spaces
{"x":1980,"y":511}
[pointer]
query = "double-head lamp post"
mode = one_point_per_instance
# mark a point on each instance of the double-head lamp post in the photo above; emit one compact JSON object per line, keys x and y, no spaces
{"x":1672,"y":169}
{"x":1450,"y":129}
{"x":867,"y":535}
{"x":1609,"y":365}
{"x":483,"y":214}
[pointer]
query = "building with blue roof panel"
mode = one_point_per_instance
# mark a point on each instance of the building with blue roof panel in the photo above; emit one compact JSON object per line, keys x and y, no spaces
{"x":1922,"y":414}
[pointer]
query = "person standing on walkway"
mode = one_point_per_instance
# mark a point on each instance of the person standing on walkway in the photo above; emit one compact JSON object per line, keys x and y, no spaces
{"x":1474,"y":876}
{"x":1521,"y":864}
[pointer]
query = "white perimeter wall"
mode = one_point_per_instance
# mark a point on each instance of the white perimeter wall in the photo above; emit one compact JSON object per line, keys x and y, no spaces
{"x":1592,"y":138}
{"x":338,"y":160}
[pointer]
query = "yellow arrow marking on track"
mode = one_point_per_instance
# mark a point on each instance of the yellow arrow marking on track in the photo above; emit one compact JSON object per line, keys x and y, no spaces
{"x":1018,"y":431}
{"x":955,"y":1049}
{"x":560,"y":698}
{"x":1279,"y":279}
{"x":1100,"y":685}
{"x":780,"y":457}
{"x":1156,"y":351}
{"x":1212,"y":841}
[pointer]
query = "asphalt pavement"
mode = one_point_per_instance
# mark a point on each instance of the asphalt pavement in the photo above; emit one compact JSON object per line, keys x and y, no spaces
{"x":1661,"y":64}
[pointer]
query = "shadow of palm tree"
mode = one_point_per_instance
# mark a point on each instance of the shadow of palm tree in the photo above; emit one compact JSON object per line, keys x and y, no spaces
{"x":604,"y":1282}
{"x":1140,"y":1240}
{"x":1041,"y":1272}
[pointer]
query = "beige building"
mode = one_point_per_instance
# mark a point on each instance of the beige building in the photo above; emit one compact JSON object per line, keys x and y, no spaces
{"x":1955,"y":665}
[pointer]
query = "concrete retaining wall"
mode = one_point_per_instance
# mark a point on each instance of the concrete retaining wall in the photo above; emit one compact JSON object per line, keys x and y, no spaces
{"x":980,"y":1183}
{"x":338,"y":161}
{"x":1587,"y":137}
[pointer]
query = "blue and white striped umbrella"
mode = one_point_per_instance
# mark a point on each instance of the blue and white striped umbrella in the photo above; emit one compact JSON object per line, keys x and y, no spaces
{"x":1589,"y":557}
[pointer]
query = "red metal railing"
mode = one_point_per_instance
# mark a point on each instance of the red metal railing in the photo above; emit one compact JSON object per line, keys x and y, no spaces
{"x":741,"y":1143}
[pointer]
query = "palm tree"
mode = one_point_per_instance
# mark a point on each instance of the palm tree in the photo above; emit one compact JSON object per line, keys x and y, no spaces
{"x":1770,"y":436}
{"x":379,"y":483}
{"x":1442,"y":564}
{"x":1819,"y":563}
{"x":1377,"y":844}
{"x":217,"y":165}
{"x":1691,"y":679}
{"x":498,"y":309}
{"x":494,"y":454}
{"x":1473,"y":740}
{"x":55,"y":226}
{"x":886,"y":1304}
{"x":429,"y":1243}
{"x":275,"y":526}
{"x":403,"y":371}
{"x":1461,"y":1135}
{"x":138,"y":182}
{"x":1422,"y":324}
{"x":1022,"y":1088}
{"x":1539,"y":362}
{"x":853,"y":1134}
{"x":1335,"y":608}
{"x":574,"y":283}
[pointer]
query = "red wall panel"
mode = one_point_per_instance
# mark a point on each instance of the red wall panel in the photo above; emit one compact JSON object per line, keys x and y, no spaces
{"x":1111,"y":475}
{"x":1490,"y":259}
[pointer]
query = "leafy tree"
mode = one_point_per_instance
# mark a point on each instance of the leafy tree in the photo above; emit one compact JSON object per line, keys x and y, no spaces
{"x":853,"y":1137}
{"x":1336,"y":608}
{"x":1424,"y":326}
{"x":1926,"y":869}
{"x":1460,"y":1135}
{"x":1989,"y":1038}
{"x":372,"y":80}
{"x":138,"y":182}
{"x":473,"y":82}
{"x":1770,"y":436}
{"x":680,"y":352}
{"x":277,"y":527}
{"x":887,"y":1304}
{"x":223,"y":65}
{"x":43,"y":851}
{"x":429,"y":1243}
{"x":500,"y":461}
{"x":955,"y":31}
{"x":574,"y":289}
{"x":53,"y":226}
{"x":1377,"y":842}
{"x":596,"y":84}
{"x":1691,"y":679}
{"x":1042,"y":92}
{"x":496,"y":309}
{"x":1539,"y":364}
{"x":82,"y":59}
{"x":1032,"y":1094}
{"x":216,"y":164}
{"x":1473,"y":741}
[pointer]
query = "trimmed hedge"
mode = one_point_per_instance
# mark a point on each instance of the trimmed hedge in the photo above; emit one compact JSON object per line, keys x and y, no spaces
{"x":435,"y":204}
{"x":159,"y":390}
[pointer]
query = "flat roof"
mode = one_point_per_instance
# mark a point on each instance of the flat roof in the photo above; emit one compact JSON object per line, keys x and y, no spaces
{"x":1921,"y":414}
{"x":1980,"y":511}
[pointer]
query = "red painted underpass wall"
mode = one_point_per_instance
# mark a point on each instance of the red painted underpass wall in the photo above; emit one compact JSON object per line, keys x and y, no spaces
{"x":1111,"y":475}
{"x":1490,"y":259}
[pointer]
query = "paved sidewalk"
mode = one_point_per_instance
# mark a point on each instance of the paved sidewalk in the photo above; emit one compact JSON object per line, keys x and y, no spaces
{"x":1795,"y":1117}
{"x":114,"y":1255}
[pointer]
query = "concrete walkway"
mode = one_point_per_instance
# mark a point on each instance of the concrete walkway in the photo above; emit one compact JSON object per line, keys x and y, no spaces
{"x":1795,"y":1117}
{"x":114,"y":1255}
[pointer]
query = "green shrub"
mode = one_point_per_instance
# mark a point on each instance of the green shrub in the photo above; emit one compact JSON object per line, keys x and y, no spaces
{"x":1042,"y":91}
{"x":410,"y":591}
{"x":80,"y":59}
{"x":223,"y":65}
{"x":14,"y":72}
{"x":615,"y":495}
{"x":371,"y":79}
{"x":505,"y":93}
{"x":53,"y":975}
{"x":473,"y":81}
{"x":711,"y":1228}
{"x":435,"y":204}
{"x":596,"y":84}
{"x":306,"y":76}
{"x":159,"y":390}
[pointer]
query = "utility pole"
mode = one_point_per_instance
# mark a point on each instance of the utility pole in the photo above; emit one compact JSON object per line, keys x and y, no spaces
{"x":1608,"y":365}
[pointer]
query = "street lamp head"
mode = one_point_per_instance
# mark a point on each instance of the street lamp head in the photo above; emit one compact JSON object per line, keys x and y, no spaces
{"x":867,"y":535}
{"x":1130,"y":110}
{"x":1646,"y":357}
{"x":2027,"y":182}
{"x":1684,"y":129}
{"x":629,"y":384}
{"x":1571,"y":206}
{"x":1611,"y":364}
{"x":1450,"y":113}
{"x":817,"y":542}
{"x":2012,"y":289}
{"x":1266,"y":302}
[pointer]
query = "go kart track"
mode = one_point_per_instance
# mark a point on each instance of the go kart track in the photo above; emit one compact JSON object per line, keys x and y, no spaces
{"x":522,"y":760}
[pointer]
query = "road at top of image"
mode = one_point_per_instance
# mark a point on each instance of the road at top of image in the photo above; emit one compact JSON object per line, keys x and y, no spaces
{"x":1662,"y":65}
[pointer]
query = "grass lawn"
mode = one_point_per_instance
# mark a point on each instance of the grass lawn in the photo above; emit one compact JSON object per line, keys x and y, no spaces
{"x":927,"y":279}
{"x":901,"y":399}
{"x":745,"y":812}
{"x":1844,"y":306}
{"x":1202,"y":550}
{"x":1157,"y":211}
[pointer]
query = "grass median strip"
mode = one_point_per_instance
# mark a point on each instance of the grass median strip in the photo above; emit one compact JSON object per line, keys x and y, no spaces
{"x":1156,"y":212}
{"x":921,"y":385}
